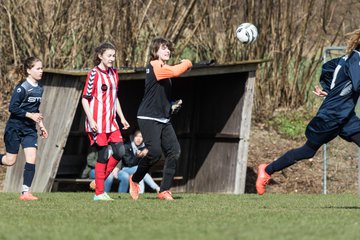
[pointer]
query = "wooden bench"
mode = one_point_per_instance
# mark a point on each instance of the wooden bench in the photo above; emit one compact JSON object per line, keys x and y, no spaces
{"x":70,"y":168}
{"x":57,"y":181}
{"x":82,"y":181}
{"x":159,"y":179}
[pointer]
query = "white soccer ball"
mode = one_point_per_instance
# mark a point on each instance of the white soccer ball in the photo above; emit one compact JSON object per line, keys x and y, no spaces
{"x":246,"y":33}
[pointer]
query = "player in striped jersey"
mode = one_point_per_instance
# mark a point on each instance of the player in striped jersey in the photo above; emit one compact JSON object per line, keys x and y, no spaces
{"x":101,"y":105}
{"x":21,"y":126}
{"x":340,"y":79}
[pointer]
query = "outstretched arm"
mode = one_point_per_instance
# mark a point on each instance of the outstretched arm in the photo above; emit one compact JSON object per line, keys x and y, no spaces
{"x":164,"y":71}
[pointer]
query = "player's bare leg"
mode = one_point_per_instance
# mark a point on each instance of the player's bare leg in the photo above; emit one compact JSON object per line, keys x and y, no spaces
{"x":8,"y":159}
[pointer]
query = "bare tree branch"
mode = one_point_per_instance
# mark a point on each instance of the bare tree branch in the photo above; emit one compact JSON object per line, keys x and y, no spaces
{"x":11,"y":35}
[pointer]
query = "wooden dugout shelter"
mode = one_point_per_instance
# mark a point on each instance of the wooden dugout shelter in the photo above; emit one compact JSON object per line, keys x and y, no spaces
{"x":213,"y":126}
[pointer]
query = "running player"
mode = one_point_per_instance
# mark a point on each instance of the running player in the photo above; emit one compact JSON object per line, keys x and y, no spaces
{"x":154,"y":118}
{"x":24,"y":115}
{"x":100,"y":103}
{"x":340,"y":79}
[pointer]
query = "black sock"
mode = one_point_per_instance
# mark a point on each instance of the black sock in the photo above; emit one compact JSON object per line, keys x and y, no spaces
{"x":1,"y":157}
{"x":168,"y":177}
{"x":307,"y":151}
{"x":29,"y":172}
{"x":143,"y":168}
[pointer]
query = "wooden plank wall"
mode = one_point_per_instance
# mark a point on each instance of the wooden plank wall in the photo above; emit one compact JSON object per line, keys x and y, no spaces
{"x":208,"y":128}
{"x":245,"y":126}
{"x":60,"y":100}
{"x":73,"y":159}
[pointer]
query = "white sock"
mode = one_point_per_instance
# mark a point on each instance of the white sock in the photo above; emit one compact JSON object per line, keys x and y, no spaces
{"x":25,"y":188}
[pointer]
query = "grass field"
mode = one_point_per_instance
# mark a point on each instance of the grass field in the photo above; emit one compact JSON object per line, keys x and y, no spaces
{"x":191,"y":216}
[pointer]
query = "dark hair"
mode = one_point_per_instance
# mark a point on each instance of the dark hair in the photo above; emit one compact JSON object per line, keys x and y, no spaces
{"x":137,"y":132}
{"x":100,"y":50}
{"x":19,"y":72}
{"x":156,"y":44}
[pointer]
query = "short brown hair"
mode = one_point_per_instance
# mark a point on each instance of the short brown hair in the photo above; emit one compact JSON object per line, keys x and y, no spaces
{"x":155,"y":45}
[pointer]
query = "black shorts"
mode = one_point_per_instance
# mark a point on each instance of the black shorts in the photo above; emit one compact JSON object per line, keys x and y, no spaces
{"x":351,"y":127}
{"x":15,"y":136}
{"x":320,"y":131}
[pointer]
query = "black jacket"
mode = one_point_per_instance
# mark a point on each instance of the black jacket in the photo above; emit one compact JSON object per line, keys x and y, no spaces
{"x":130,"y":159}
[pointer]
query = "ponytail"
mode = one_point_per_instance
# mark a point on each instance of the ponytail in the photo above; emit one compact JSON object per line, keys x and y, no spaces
{"x":19,"y":72}
{"x":16,"y":75}
{"x":354,"y":41}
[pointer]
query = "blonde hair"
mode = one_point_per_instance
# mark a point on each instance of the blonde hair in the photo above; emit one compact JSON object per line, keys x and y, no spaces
{"x":19,"y":72}
{"x":354,"y":40}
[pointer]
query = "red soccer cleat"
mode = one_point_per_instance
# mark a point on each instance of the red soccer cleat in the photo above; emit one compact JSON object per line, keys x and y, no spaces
{"x":262,"y":179}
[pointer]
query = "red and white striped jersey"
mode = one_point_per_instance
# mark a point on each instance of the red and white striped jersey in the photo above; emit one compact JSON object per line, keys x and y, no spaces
{"x":101,"y":92}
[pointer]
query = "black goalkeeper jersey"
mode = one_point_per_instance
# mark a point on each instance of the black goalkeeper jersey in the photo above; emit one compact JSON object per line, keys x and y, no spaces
{"x":156,"y":104}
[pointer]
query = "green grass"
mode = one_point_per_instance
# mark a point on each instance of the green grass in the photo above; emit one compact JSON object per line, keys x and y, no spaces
{"x":191,"y":216}
{"x":291,"y":124}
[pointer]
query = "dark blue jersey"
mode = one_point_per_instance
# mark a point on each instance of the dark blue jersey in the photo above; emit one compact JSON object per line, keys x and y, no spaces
{"x":25,"y":98}
{"x":341,"y":100}
{"x":327,"y":73}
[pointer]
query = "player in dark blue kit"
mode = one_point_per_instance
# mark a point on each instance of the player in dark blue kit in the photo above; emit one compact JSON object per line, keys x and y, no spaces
{"x":21,"y":126}
{"x":340,"y":80}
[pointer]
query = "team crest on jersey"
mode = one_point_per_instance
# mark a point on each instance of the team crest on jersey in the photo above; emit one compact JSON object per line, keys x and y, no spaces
{"x":104,"y":87}
{"x":18,"y":90}
{"x":147,"y":71}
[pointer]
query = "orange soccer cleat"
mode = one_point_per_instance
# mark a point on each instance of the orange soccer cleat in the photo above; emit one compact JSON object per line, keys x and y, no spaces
{"x":262,"y":179}
{"x":165,"y":195}
{"x":27,"y":196}
{"x":134,"y":189}
{"x":92,"y":185}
